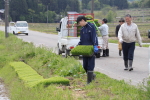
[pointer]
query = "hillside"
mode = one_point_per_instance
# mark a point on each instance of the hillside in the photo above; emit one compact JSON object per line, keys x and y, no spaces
{"x":132,"y":0}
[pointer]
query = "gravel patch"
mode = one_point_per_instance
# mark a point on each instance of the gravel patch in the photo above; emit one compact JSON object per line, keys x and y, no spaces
{"x":3,"y":93}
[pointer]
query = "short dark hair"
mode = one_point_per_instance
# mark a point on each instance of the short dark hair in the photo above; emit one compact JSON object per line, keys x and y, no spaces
{"x":121,"y":20}
{"x":104,"y":20}
{"x":128,"y":15}
{"x":80,"y":18}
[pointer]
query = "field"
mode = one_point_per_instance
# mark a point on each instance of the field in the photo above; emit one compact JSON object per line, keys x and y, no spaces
{"x":140,"y":16}
{"x":49,"y":28}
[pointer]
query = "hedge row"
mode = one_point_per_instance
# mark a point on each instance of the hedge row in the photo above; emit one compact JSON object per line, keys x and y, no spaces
{"x":31,"y":78}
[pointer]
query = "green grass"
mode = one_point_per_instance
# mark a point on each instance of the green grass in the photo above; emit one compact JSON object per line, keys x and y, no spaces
{"x":31,"y":78}
{"x":49,"y":28}
{"x":83,"y":50}
{"x":48,"y":64}
{"x":116,"y":42}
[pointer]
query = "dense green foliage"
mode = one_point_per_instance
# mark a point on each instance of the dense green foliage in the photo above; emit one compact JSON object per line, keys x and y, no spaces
{"x":39,"y":10}
{"x":140,"y":3}
{"x":85,"y":50}
{"x":43,"y":11}
{"x":99,"y":4}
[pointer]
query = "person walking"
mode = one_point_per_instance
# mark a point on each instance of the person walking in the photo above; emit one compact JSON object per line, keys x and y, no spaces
{"x":88,"y":36}
{"x":128,"y":33}
{"x":104,"y":32}
{"x":121,"y":21}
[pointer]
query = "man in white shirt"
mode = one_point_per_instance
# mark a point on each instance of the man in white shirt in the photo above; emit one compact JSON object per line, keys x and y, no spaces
{"x":128,"y":33}
{"x":104,"y":32}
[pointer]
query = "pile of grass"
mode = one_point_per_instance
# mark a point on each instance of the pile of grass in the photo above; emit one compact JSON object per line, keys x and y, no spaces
{"x":85,"y":50}
{"x":18,"y":91}
{"x":31,"y":78}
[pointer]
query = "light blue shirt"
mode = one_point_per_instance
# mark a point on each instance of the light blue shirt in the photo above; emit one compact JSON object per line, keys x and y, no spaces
{"x":104,"y":29}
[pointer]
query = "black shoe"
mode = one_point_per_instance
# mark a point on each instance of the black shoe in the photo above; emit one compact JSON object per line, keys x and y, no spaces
{"x":130,"y":68}
{"x":104,"y":53}
{"x":107,"y":52}
{"x":130,"y":65}
{"x":119,"y":52}
{"x":89,"y":76}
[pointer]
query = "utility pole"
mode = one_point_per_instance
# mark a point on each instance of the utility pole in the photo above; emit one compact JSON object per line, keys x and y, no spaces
{"x":92,"y":6}
{"x":6,"y":17}
{"x":47,"y":14}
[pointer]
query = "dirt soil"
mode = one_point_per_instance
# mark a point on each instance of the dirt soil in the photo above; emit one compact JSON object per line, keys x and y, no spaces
{"x":3,"y":92}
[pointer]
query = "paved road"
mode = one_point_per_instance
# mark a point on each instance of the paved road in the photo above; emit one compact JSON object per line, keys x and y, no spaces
{"x":111,"y":66}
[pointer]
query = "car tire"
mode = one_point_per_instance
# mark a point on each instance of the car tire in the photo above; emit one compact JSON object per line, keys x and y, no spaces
{"x":13,"y":32}
{"x":58,"y":50}
{"x":67,"y":53}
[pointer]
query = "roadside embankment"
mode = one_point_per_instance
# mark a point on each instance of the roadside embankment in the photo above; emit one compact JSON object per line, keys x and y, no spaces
{"x":47,"y":65}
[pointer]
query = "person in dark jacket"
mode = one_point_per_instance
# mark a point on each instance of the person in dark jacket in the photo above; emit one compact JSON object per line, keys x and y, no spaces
{"x":121,"y":21}
{"x":88,"y":36}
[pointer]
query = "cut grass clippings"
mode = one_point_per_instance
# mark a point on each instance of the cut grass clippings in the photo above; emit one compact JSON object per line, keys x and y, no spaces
{"x":32,"y":79}
{"x":48,"y":64}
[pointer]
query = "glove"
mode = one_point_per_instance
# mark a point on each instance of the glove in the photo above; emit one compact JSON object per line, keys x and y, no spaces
{"x":95,"y":49}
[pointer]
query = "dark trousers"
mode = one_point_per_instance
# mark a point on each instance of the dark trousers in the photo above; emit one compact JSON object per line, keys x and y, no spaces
{"x":89,"y":63}
{"x":128,"y":50}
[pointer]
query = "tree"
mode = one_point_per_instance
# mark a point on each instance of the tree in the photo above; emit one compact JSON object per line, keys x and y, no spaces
{"x":18,"y":8}
{"x":110,"y":16}
{"x":1,"y":4}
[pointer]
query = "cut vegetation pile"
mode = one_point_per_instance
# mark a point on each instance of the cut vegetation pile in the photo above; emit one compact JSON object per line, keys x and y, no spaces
{"x":85,"y":50}
{"x":32,"y":78}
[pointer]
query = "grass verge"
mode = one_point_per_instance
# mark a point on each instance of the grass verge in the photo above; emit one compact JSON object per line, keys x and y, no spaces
{"x":48,"y":64}
{"x":116,"y":41}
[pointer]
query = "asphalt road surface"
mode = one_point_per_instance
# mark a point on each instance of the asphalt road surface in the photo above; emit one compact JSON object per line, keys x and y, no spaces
{"x":113,"y":66}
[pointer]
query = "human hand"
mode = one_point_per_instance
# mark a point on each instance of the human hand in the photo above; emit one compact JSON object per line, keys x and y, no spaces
{"x":120,"y":40}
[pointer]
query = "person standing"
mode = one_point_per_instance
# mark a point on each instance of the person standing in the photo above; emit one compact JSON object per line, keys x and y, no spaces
{"x":121,"y":21}
{"x":88,"y":36}
{"x":104,"y":32}
{"x":128,"y":33}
